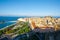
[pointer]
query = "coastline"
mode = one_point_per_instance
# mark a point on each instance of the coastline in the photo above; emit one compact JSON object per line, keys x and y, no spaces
{"x":7,"y":26}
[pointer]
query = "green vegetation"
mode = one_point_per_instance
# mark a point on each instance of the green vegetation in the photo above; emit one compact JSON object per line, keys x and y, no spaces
{"x":19,"y":28}
{"x":12,"y":31}
{"x":24,"y":29}
{"x":1,"y":32}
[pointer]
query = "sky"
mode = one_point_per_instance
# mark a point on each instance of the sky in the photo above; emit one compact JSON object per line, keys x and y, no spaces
{"x":29,"y":7}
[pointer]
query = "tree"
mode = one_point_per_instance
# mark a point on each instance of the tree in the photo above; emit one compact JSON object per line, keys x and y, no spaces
{"x":1,"y":32}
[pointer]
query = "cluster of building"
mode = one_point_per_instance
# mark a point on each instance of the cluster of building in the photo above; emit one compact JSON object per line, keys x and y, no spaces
{"x":47,"y":22}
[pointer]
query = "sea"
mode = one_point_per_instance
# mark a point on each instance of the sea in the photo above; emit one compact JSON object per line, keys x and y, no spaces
{"x":8,"y":20}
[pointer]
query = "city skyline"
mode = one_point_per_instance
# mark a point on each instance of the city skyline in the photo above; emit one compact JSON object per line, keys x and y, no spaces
{"x":29,"y":8}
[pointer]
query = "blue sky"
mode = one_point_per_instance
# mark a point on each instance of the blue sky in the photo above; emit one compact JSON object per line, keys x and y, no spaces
{"x":29,"y":7}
